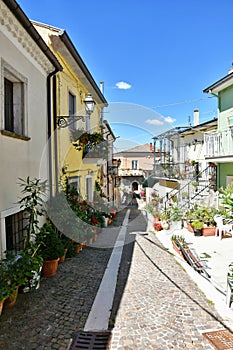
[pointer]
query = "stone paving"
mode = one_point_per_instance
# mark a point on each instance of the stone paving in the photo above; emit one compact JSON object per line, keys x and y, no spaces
{"x":156,"y":305}
{"x":161,"y":308}
{"x":50,"y":317}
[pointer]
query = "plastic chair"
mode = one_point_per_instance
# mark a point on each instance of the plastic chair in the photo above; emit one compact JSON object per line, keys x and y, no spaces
{"x":222,"y":228}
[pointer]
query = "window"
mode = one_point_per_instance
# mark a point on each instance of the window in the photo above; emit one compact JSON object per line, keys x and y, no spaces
{"x":14,"y":92}
{"x":74,"y":182}
{"x":134,"y":164}
{"x":15,"y":233}
{"x":72,"y":110}
{"x":8,"y":105}
{"x":89,"y":193}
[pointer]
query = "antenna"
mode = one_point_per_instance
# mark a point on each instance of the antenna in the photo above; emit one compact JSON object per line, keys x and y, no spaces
{"x":189,"y":120}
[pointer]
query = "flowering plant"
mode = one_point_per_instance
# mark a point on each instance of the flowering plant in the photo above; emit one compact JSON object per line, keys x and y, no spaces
{"x":88,"y":140}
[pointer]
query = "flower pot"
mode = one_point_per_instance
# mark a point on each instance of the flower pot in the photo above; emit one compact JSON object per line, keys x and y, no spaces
{"x":209,"y":231}
{"x":105,"y":223}
{"x":11,"y":300}
{"x":197,"y":232}
{"x":1,"y":306}
{"x":156,"y":218}
{"x":177,"y":249}
{"x":49,"y":267}
{"x":78,"y":248}
{"x":165,"y":225}
{"x":62,"y":258}
{"x":190,"y":227}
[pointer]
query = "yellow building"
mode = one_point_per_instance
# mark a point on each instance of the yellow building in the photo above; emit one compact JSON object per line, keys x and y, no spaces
{"x":72,"y":86}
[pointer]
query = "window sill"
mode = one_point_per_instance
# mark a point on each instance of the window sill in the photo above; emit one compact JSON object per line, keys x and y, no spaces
{"x":15,"y":136}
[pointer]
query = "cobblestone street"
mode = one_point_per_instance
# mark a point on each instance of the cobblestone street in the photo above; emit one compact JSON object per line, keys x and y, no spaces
{"x":156,"y":304}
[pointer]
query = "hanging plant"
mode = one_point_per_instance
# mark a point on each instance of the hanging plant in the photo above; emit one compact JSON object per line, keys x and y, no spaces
{"x":88,"y":140}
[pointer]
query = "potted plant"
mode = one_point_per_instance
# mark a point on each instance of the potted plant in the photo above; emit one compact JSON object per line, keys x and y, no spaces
{"x":177,"y":242}
{"x":51,"y":248}
{"x":197,"y":226}
{"x":14,"y":275}
{"x":30,"y":262}
{"x":33,"y":204}
{"x":6,"y":288}
{"x":164,"y":221}
{"x":88,"y":140}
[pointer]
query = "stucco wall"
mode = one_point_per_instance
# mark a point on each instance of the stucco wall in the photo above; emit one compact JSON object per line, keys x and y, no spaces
{"x":21,"y":158}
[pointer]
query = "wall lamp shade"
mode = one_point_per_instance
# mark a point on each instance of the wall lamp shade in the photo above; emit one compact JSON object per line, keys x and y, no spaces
{"x":65,"y":120}
{"x":89,"y":104}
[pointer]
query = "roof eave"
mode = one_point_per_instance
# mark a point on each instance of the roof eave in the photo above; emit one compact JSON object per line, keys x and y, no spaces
{"x":28,"y":26}
{"x":68,"y":43}
{"x":220,"y":85}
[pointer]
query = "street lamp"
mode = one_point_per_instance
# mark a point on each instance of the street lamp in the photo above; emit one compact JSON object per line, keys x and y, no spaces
{"x":65,"y":120}
{"x":89,"y":104}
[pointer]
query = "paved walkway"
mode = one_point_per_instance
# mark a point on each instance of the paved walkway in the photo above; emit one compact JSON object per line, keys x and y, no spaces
{"x":156,"y":305}
{"x":50,"y":317}
{"x":162,"y":307}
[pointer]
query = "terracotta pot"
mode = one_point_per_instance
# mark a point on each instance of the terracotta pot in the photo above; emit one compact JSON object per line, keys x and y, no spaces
{"x":190,"y":227}
{"x":11,"y":300}
{"x":177,"y":249}
{"x":1,"y":306}
{"x":209,"y":231}
{"x":62,"y":258}
{"x":49,"y":267}
{"x":78,"y":248}
{"x":156,"y":218}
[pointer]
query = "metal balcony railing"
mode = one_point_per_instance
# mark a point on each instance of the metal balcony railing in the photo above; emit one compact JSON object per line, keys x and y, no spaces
{"x":219,"y":144}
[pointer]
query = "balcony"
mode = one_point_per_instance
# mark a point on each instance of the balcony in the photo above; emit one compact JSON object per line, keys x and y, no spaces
{"x":219,"y":144}
{"x":97,"y":154}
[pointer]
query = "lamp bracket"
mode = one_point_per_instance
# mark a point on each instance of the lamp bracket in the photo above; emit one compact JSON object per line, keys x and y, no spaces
{"x":63,"y":120}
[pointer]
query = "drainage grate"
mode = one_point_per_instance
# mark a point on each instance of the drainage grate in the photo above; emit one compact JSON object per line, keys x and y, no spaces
{"x":91,"y":341}
{"x":221,"y":340}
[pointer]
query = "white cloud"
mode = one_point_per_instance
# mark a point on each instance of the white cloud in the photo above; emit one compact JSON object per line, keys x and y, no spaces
{"x":154,"y":122}
{"x":123,"y":85}
{"x":169,"y":120}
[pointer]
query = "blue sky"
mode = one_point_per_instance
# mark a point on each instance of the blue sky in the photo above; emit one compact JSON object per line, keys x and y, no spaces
{"x":154,"y":56}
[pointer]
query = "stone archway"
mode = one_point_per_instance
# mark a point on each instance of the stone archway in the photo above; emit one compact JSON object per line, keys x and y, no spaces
{"x":135,"y":186}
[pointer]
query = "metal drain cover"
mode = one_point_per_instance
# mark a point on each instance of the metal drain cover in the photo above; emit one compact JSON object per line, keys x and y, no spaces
{"x":91,"y":341}
{"x":221,"y":340}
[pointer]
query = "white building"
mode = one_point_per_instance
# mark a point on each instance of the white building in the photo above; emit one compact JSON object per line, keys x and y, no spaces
{"x":27,"y":67}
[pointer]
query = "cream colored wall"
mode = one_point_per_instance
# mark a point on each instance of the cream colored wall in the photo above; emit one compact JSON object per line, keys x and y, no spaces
{"x":69,"y":157}
{"x":22,"y":158}
{"x":67,"y":81}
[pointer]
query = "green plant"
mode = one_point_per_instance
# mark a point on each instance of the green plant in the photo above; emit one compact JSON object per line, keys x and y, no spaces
{"x":5,"y":286}
{"x":198,"y":224}
{"x":33,"y":203}
{"x":51,"y":246}
{"x":88,"y":140}
{"x":175,"y":213}
{"x":226,"y":196}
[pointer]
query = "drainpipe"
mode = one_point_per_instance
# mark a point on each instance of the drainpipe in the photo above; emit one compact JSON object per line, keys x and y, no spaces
{"x":49,"y":104}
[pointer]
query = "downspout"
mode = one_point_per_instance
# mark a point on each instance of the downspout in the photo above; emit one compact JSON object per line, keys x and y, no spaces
{"x":55,"y":132}
{"x":49,"y":104}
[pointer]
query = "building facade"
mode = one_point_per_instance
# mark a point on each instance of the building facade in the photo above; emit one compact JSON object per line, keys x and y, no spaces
{"x":27,"y":67}
{"x":73,"y":85}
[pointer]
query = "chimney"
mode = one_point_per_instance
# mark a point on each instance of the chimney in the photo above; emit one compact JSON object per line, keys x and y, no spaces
{"x":231,"y":69}
{"x":102,"y":87}
{"x":195,"y":117}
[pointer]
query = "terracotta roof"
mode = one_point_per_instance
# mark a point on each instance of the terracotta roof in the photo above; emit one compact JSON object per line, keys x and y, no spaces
{"x":140,"y":148}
